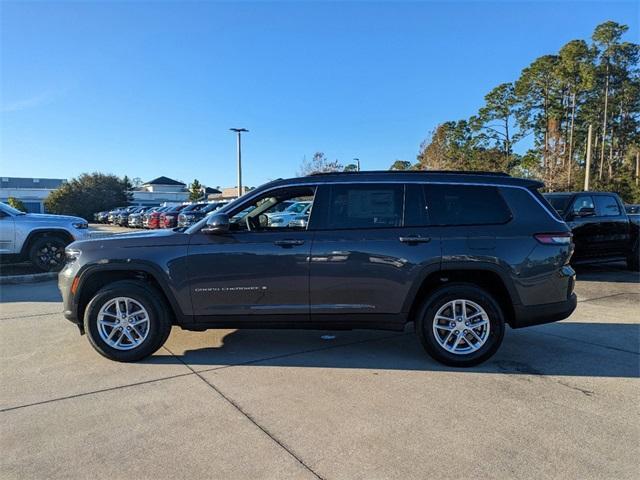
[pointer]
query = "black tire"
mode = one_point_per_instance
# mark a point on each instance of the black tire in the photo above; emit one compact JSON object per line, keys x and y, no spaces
{"x":633,"y":261}
{"x":47,"y":253}
{"x":159,"y":319}
{"x":460,"y":291}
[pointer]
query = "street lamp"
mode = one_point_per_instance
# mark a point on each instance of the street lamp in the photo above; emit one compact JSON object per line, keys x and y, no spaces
{"x":239,"y":132}
{"x":357,"y":160}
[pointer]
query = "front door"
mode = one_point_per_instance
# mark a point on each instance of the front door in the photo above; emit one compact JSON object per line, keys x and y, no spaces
{"x":586,"y":229}
{"x":254,"y":268}
{"x":7,"y":233}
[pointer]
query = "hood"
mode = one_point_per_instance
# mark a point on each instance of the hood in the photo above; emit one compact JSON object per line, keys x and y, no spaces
{"x":43,"y":217}
{"x":154,"y":238}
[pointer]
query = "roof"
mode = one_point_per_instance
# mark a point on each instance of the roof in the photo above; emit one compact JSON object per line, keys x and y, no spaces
{"x":39,"y":183}
{"x":485,"y":178}
{"x":164,"y":181}
{"x":589,"y":192}
{"x":211,"y":190}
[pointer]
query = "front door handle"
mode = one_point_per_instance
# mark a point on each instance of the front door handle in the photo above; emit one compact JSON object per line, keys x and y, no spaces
{"x":414,"y":239}
{"x":288,"y":243}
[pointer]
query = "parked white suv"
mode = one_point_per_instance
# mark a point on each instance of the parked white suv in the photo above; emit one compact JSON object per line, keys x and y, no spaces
{"x":38,"y":237}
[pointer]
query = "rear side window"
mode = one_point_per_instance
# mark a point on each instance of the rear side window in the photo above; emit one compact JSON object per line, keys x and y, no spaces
{"x":364,"y":206}
{"x":606,"y":206}
{"x":466,"y":205}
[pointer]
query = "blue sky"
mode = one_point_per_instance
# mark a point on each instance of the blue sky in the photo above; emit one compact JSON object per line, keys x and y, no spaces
{"x":151,"y":88}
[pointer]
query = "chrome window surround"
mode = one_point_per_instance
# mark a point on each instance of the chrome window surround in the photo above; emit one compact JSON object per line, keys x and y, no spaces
{"x":316,"y":184}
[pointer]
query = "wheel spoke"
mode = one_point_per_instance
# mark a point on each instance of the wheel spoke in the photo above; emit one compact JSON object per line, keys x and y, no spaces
{"x":444,"y":327}
{"x":479,"y":324}
{"x":475,"y":335}
{"x":113,"y":331}
{"x":455,"y":344}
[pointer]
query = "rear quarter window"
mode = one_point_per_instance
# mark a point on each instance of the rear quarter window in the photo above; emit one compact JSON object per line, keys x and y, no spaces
{"x":466,"y":205}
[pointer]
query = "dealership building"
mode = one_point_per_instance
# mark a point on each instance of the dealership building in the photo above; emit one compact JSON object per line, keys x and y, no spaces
{"x":159,"y":191}
{"x":30,"y":191}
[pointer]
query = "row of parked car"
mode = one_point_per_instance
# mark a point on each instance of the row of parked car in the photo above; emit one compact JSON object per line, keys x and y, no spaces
{"x":185,"y":215}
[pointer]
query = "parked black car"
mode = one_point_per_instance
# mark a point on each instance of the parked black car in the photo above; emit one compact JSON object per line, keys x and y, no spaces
{"x":461,"y":255}
{"x":188,"y":217}
{"x":113,"y":214}
{"x":602,"y":230}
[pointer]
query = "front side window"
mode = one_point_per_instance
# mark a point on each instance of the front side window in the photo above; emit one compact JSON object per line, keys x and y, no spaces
{"x":265,"y":213}
{"x":606,"y":206}
{"x":466,"y":205}
{"x":581,"y":204}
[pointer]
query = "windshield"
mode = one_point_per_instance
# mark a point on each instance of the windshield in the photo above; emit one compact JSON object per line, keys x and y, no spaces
{"x":297,"y":207}
{"x":10,"y":209}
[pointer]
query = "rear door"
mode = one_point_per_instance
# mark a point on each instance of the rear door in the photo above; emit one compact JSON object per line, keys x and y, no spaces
{"x":365,"y":258}
{"x":613,"y":225}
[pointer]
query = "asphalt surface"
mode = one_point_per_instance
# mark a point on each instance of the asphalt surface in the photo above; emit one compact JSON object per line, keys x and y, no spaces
{"x":557,"y":401}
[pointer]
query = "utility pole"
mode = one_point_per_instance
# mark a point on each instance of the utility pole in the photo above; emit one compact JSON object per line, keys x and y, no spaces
{"x":239,"y":132}
{"x":587,"y":168}
{"x":357,"y":160}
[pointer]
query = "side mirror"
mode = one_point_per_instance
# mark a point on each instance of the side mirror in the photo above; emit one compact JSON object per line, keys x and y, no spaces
{"x":216,"y":223}
{"x":586,"y":212}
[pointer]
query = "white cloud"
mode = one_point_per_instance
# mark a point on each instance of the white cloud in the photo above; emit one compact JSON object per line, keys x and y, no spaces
{"x":30,"y":102}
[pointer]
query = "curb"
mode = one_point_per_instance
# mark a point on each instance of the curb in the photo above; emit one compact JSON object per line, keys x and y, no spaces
{"x":32,"y":278}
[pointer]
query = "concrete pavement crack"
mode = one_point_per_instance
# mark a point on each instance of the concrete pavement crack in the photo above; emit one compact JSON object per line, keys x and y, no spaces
{"x":248,"y":416}
{"x":102,"y":390}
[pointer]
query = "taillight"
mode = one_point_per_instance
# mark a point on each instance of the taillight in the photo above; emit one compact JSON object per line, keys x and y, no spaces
{"x":560,"y":238}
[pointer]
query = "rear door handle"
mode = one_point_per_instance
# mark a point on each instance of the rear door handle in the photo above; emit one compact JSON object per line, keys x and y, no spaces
{"x":288,"y":243}
{"x":414,"y":239}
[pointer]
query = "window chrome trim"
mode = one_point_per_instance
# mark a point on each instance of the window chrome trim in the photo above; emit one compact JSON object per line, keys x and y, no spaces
{"x":423,"y":182}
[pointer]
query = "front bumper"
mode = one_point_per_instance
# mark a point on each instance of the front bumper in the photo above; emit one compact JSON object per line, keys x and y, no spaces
{"x":527,"y":316}
{"x":65,"y":281}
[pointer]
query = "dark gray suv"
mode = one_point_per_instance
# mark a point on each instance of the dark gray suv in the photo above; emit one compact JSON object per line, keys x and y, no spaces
{"x":458,"y":254}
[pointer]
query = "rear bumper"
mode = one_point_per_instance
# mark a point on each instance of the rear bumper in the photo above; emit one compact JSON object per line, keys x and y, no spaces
{"x":546,"y":313}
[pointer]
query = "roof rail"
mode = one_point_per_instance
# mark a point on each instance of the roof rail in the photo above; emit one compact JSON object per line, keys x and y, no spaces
{"x":438,"y":172}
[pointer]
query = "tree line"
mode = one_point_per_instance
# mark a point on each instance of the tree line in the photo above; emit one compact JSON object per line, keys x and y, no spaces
{"x":550,"y":107}
{"x":546,"y":113}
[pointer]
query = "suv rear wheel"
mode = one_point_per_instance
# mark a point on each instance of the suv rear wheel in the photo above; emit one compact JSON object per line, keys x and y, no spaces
{"x":126,"y":321}
{"x":460,"y":325}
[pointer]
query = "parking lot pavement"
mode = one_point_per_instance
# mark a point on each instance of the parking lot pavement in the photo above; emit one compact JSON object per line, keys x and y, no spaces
{"x":558,"y":400}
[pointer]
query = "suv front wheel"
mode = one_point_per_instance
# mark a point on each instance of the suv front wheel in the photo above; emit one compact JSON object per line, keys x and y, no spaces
{"x":126,"y":321}
{"x":460,"y":325}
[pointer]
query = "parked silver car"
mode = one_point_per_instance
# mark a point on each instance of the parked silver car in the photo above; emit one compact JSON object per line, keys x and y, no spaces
{"x":38,"y":237}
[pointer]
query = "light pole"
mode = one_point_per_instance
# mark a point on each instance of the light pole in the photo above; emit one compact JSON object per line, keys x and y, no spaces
{"x":239,"y":132}
{"x":357,"y":160}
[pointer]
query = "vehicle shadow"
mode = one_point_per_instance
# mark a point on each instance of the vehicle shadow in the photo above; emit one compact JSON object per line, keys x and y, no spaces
{"x":567,"y":349}
{"x":616,"y":272}
{"x":30,"y":292}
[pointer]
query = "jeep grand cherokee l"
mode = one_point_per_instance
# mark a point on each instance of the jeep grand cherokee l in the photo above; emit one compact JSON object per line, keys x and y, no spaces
{"x":460,"y":255}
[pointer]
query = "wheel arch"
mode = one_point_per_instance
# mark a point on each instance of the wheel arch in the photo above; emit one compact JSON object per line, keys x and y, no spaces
{"x":95,"y":277}
{"x":489,"y":278}
{"x":36,"y":234}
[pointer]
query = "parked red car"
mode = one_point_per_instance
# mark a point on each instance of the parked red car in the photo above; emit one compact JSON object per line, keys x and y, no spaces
{"x":152,"y":219}
{"x":169,"y":219}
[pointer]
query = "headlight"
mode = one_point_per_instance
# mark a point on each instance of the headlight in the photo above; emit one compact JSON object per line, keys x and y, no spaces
{"x":72,"y":254}
{"x":80,"y":225}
